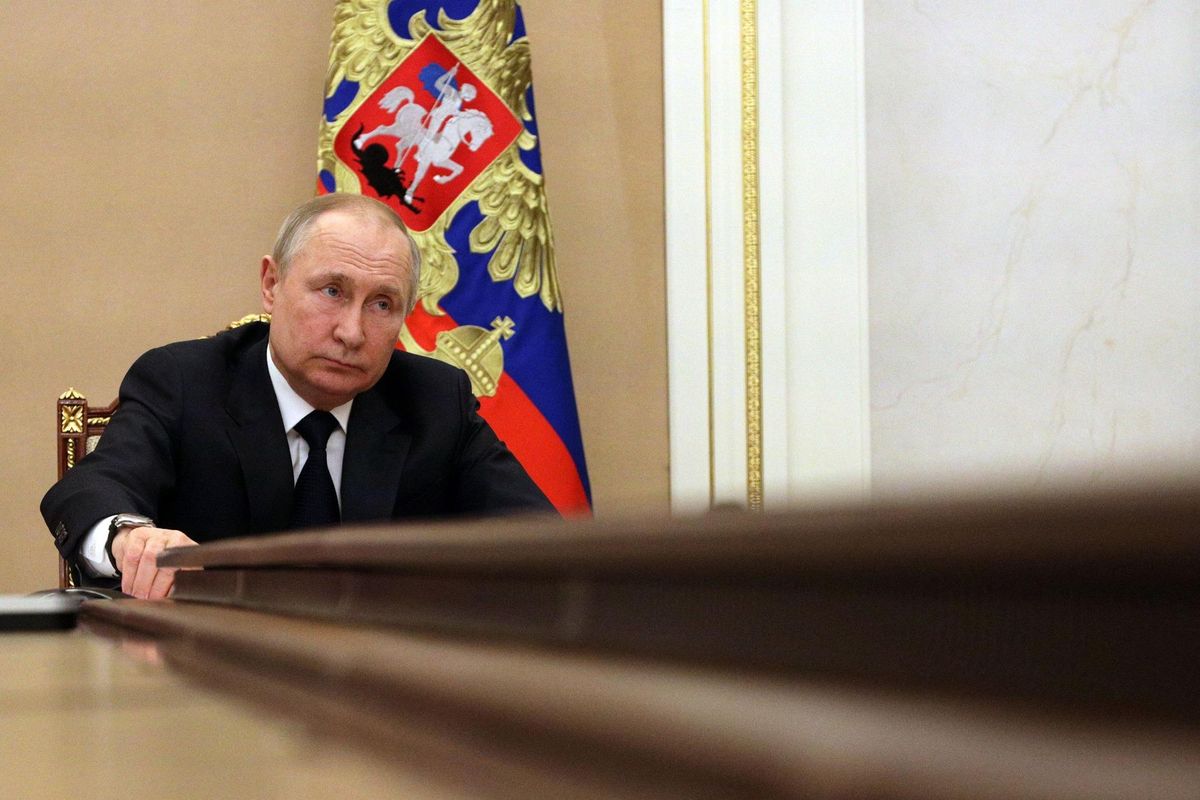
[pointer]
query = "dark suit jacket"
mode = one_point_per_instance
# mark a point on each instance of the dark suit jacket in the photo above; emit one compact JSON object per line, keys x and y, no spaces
{"x":198,"y":445}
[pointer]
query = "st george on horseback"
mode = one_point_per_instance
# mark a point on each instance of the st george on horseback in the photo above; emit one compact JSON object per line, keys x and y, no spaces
{"x":434,"y":134}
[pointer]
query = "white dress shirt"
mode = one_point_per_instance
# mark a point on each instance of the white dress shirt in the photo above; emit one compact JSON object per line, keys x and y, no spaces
{"x":293,"y":408}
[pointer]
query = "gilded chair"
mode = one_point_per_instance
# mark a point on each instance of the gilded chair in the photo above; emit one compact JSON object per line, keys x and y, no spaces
{"x":79,"y":429}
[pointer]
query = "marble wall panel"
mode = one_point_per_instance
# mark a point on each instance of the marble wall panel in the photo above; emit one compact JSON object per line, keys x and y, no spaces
{"x":1033,"y":197}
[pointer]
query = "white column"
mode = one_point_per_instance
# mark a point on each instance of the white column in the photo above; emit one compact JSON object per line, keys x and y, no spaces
{"x":828,"y":383}
{"x":766,"y":259}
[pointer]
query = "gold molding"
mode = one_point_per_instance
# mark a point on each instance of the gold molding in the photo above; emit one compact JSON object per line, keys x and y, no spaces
{"x":752,"y":286}
{"x":249,"y":319}
{"x":71,"y":419}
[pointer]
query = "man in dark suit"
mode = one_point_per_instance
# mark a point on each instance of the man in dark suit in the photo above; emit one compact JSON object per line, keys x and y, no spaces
{"x":213,"y":438}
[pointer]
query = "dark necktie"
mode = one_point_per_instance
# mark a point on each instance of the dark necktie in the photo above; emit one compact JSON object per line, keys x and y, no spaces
{"x":314,"y":501}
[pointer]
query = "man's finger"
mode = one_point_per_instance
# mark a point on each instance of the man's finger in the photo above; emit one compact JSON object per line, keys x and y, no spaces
{"x":160,"y":587}
{"x":131,"y":556}
{"x":147,"y":568}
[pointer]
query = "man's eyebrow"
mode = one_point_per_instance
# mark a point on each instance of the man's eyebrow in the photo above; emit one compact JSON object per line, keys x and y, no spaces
{"x":335,"y":275}
{"x":338,"y":276}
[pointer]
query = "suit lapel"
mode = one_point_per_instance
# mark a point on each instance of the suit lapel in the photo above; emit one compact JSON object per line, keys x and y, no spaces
{"x":260,"y":441}
{"x":376,"y":448}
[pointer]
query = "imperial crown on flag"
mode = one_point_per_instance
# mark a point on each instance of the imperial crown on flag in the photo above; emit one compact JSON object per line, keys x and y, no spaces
{"x":429,"y":108}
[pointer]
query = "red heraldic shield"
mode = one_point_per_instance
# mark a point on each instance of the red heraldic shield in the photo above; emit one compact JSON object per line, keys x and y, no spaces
{"x":425,"y":134}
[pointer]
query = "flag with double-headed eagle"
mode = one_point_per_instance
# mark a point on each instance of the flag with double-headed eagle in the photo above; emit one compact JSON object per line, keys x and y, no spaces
{"x":429,"y":108}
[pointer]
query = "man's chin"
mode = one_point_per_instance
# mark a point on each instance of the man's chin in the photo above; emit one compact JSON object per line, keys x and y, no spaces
{"x":333,"y":392}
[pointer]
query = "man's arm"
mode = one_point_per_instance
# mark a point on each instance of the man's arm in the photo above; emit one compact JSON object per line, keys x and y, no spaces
{"x":445,"y":82}
{"x":490,"y":479}
{"x":132,"y":468}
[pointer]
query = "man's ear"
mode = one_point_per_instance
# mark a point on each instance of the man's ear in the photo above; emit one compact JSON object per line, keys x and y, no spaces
{"x":270,"y":281}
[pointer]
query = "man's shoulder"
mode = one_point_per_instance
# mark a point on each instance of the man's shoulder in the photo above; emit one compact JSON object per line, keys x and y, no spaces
{"x":226,"y":346}
{"x":204,"y":365}
{"x":408,"y":364}
{"x":409,"y":373}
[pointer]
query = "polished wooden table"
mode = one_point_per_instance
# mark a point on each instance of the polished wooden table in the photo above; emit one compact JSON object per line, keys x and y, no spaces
{"x":972,"y":647}
{"x":82,"y":715}
{"x":82,"y":712}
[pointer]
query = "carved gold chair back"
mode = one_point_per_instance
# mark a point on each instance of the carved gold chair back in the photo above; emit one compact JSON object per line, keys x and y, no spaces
{"x":80,"y":427}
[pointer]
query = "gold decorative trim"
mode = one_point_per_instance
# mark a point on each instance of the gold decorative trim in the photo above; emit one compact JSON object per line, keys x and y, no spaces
{"x":750,"y":254}
{"x":70,"y":453}
{"x":70,"y":394}
{"x":71,"y":420}
{"x":98,"y":420}
{"x":248,"y":319}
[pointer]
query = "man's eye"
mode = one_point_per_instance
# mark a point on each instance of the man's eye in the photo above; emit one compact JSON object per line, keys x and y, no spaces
{"x":331,"y":291}
{"x":383,"y":305}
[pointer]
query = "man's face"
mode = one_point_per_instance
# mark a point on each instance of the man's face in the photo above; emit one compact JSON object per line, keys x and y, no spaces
{"x":336,"y":313}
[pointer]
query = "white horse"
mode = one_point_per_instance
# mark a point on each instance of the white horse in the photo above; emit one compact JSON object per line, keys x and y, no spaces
{"x":411,"y":129}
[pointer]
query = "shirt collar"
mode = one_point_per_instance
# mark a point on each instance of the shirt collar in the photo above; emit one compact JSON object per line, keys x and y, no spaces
{"x":293,"y":407}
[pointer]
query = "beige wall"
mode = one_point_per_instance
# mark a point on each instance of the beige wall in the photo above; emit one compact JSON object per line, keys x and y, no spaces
{"x":154,"y":147}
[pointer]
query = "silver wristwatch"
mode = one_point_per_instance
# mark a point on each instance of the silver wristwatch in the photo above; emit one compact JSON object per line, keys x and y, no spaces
{"x":119,"y":522}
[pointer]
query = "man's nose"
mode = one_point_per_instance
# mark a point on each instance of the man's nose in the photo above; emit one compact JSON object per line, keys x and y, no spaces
{"x":349,"y":330}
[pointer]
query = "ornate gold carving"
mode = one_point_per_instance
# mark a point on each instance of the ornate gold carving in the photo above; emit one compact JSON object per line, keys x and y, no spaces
{"x":363,"y":46}
{"x":472,"y":349}
{"x":750,"y":253}
{"x":72,"y":419}
{"x":70,"y":453}
{"x":516,"y":223}
{"x":70,"y":394}
{"x":439,"y":267}
{"x":248,"y":319}
{"x":99,"y":420}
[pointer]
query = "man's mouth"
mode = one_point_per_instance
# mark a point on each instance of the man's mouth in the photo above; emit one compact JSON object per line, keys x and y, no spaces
{"x":339,"y":364}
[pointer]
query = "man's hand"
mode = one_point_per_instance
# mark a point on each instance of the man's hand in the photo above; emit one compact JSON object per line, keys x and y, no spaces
{"x":136,"y":552}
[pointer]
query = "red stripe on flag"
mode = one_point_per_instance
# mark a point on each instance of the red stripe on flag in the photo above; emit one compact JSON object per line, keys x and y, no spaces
{"x":520,"y":425}
{"x":425,"y":327}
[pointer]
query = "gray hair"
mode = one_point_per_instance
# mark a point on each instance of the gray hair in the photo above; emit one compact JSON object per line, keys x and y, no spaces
{"x":294,"y":232}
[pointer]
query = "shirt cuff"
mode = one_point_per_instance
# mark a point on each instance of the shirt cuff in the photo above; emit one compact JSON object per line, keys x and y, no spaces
{"x":91,"y":551}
